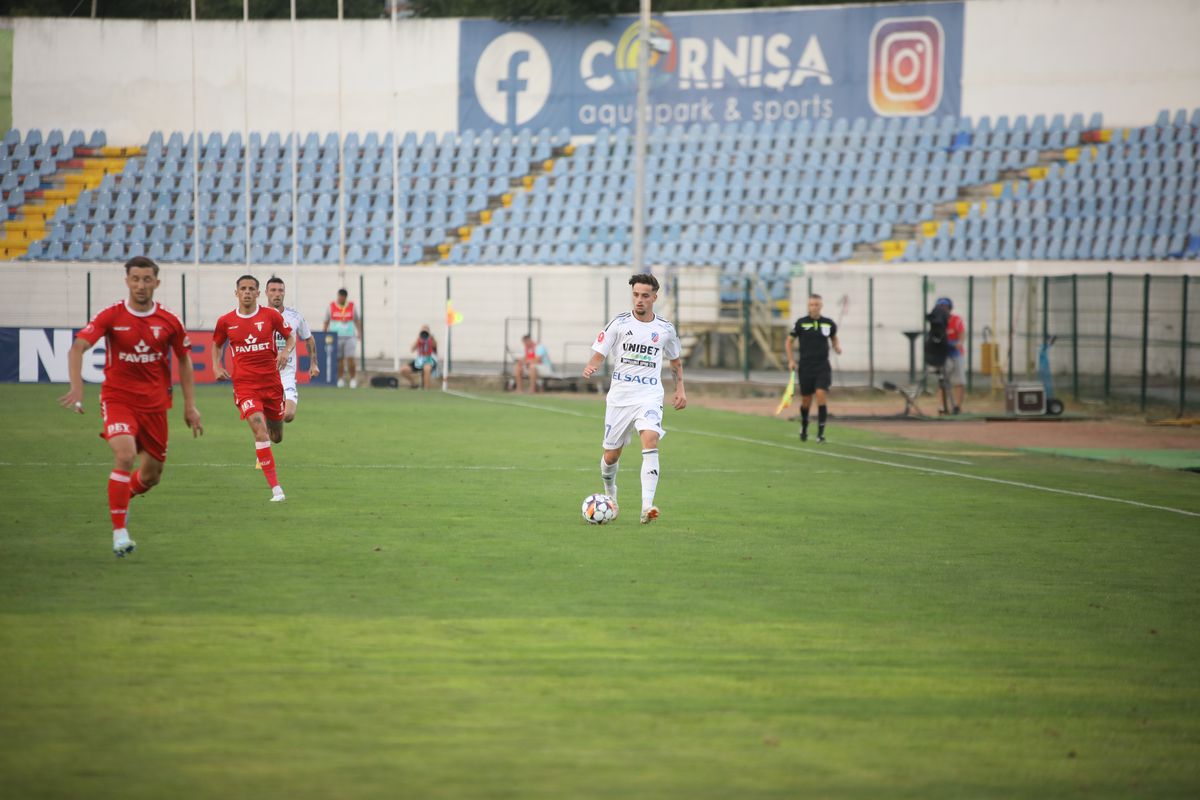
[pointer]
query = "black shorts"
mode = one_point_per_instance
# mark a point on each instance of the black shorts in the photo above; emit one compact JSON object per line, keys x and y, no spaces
{"x":813,"y":378}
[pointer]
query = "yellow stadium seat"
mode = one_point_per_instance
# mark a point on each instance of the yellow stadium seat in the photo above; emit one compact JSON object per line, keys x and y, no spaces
{"x":464,"y":233}
{"x":506,"y":199}
{"x":548,"y":165}
{"x":569,"y":149}
{"x":962,"y":208}
{"x":120,"y":152}
{"x":930,"y":229}
{"x":1036,"y":173}
{"x":527,"y":182}
{"x":894,"y":248}
{"x":1071,"y":154}
{"x":485,"y":216}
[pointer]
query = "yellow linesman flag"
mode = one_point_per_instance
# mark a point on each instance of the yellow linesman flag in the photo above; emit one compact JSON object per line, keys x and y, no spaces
{"x":452,"y":316}
{"x":786,"y":400}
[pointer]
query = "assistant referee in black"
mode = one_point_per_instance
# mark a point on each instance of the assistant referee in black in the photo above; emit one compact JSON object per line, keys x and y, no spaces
{"x":814,"y":334}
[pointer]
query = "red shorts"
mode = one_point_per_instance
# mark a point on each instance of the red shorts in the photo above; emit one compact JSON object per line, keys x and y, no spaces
{"x":268,"y":402}
{"x":148,"y":428}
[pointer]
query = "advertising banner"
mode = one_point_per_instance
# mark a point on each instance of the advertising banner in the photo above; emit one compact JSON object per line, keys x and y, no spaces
{"x":726,"y":67}
{"x":39,"y":355}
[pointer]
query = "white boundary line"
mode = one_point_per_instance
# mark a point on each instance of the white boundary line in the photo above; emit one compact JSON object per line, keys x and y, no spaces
{"x":907,"y":453}
{"x":827,"y":453}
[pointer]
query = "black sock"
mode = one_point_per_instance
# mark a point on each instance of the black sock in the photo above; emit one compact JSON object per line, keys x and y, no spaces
{"x":821,"y":414}
{"x":803,"y":419}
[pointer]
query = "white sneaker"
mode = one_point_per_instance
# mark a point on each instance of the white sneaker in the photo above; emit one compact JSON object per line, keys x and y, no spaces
{"x":341,"y":383}
{"x":122,"y":544}
{"x":277,"y":495}
{"x":354,"y":383}
{"x":649,"y":514}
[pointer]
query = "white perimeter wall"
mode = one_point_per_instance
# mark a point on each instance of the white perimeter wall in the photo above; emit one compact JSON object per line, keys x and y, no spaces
{"x":570,"y":303}
{"x":130,"y":77}
{"x":902,"y":293}
{"x":1126,"y":59}
{"x":395,"y":303}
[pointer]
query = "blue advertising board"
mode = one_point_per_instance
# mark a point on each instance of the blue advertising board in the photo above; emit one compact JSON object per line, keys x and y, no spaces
{"x":39,"y":355}
{"x":818,"y":63}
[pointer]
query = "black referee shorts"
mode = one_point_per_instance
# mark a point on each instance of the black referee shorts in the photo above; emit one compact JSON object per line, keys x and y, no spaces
{"x":813,"y":378}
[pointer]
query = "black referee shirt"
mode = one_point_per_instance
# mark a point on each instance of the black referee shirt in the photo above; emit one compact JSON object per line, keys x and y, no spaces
{"x":813,"y":337}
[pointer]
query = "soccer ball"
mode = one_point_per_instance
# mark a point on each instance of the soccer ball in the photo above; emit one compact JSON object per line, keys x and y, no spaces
{"x":599,"y":509}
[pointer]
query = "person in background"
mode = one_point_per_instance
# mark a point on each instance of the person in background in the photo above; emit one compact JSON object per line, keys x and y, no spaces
{"x":425,"y":348}
{"x":344,"y":319}
{"x":534,"y":357}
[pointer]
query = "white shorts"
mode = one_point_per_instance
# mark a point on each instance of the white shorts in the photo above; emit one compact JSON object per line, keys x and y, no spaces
{"x":288,"y":379}
{"x":621,"y":421}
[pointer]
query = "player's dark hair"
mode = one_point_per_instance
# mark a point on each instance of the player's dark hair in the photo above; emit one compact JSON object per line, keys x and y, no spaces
{"x":814,"y":297}
{"x":238,"y":282}
{"x":141,"y":262}
{"x":646,"y":278}
{"x":343,"y":293}
{"x":274,"y":279}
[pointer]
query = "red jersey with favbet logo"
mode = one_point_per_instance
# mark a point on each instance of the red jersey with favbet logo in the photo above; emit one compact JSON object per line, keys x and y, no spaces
{"x":252,"y":346}
{"x":138,"y":347}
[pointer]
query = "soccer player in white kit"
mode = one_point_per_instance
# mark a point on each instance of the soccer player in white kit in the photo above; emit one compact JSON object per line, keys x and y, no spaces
{"x":639,"y":341}
{"x":295,"y":320}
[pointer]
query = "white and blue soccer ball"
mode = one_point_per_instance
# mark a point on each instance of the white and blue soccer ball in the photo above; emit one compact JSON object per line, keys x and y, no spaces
{"x":599,"y":509}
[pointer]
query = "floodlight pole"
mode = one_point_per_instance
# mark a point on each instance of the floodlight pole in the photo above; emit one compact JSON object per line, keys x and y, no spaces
{"x":639,"y":153}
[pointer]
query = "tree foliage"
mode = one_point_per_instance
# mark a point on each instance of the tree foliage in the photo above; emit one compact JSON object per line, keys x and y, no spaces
{"x":369,"y":9}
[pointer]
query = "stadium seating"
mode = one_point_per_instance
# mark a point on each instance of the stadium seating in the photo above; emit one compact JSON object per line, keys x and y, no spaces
{"x":747,"y":198}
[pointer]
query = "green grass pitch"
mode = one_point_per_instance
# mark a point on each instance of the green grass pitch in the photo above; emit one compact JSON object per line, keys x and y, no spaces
{"x":427,"y":616}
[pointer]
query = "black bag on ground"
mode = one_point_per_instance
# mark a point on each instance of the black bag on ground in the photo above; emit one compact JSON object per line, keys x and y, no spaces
{"x":385,"y":382}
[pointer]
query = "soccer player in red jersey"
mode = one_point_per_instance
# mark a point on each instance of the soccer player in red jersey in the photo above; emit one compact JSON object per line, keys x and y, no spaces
{"x":140,"y":336}
{"x":257,"y":390}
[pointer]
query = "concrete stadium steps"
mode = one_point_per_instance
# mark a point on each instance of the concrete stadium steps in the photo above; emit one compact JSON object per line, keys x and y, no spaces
{"x":73,"y":176}
{"x":975,"y":196}
{"x":524,"y":183}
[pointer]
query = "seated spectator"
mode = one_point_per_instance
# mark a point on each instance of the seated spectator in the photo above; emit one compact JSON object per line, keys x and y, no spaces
{"x":425,"y":363}
{"x":535,"y":357}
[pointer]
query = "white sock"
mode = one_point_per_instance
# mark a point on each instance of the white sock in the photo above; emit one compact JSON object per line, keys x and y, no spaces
{"x":120,"y":534}
{"x":608,"y":474}
{"x":649,"y":476}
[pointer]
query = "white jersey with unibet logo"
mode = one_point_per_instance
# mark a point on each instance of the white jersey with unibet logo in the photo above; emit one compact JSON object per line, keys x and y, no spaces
{"x":638,"y":350}
{"x":296,"y":322}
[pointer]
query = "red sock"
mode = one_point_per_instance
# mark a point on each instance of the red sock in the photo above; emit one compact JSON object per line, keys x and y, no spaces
{"x":136,"y":486}
{"x":267,"y":462}
{"x":118,"y":497}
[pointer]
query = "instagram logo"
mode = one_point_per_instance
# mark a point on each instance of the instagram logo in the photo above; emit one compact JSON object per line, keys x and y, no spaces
{"x":906,"y":66}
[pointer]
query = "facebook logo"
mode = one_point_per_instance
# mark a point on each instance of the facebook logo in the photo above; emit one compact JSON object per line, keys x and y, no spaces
{"x":513,"y":85}
{"x":512,"y":79}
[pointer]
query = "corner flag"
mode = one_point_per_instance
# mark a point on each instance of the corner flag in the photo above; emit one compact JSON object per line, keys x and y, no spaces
{"x":786,"y":400}
{"x":452,"y":316}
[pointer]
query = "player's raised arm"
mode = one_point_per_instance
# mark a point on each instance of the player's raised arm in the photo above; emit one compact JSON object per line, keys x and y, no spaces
{"x":219,"y":371}
{"x":314,"y":367}
{"x":187,"y":382}
{"x":286,"y":352}
{"x":680,"y":401}
{"x":593,"y":364}
{"x":73,"y":399}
